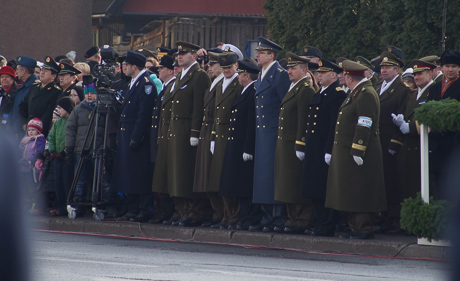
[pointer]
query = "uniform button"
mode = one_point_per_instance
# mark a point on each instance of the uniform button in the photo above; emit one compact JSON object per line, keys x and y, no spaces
{"x":257,"y":126}
{"x":306,"y":131}
{"x":338,"y":123}
{"x":257,"y":106}
{"x":233,"y":129}
{"x":263,"y":126}
{"x":156,"y":126}
{"x":263,"y":116}
{"x":152,"y":126}
{"x":261,"y":106}
{"x":335,"y":142}
{"x":206,"y":125}
{"x":234,"y":119}
{"x":314,"y":123}
{"x":340,"y":112}
{"x":223,"y":107}
{"x":233,"y":111}
{"x":281,"y":128}
{"x":236,"y":110}
{"x":309,"y":107}
{"x":129,"y":101}
{"x":163,"y":109}
{"x":308,"y":124}
{"x":177,"y":101}
{"x":317,"y":108}
{"x":257,"y":97}
{"x":229,"y":138}
{"x":257,"y":116}
{"x":217,"y":107}
{"x":336,"y":133}
{"x":312,"y":131}
{"x":262,"y":96}
{"x":315,"y":116}
{"x":308,"y":115}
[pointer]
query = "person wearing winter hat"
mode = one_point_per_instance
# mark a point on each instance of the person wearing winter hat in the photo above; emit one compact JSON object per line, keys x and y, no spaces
{"x":7,"y":94}
{"x":63,"y":171}
{"x":77,"y":95}
{"x":31,"y":144}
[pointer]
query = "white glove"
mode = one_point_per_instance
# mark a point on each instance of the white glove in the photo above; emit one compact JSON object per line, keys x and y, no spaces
{"x":404,"y":128}
{"x":247,"y":157}
{"x":391,"y":151}
{"x":213,"y":145}
{"x":300,"y":155}
{"x":327,"y":158}
{"x":358,"y":160}
{"x":193,"y":141}
{"x":397,"y":119}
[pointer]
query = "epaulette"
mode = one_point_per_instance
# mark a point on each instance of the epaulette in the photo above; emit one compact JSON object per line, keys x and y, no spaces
{"x":280,"y":69}
{"x":338,"y":89}
{"x":407,"y":85}
{"x":306,"y":84}
{"x":57,"y":87}
{"x":146,"y":79}
{"x":37,"y":81}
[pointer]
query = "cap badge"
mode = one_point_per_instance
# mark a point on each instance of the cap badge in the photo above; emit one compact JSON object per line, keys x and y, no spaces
{"x":140,"y":50}
{"x":340,"y":64}
{"x":359,"y":62}
{"x":62,"y":66}
{"x":47,"y":59}
{"x":19,"y":59}
{"x":227,"y":49}
{"x":179,"y":47}
{"x":320,"y":63}
{"x":305,"y":50}
{"x":385,"y":59}
{"x":260,"y":43}
{"x":289,"y":59}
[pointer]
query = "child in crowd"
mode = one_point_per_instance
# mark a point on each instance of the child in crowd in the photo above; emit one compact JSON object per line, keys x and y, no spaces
{"x":31,"y":144}
{"x":63,"y":171}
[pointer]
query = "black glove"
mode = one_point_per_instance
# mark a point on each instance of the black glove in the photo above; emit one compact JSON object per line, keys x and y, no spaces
{"x":134,"y":145}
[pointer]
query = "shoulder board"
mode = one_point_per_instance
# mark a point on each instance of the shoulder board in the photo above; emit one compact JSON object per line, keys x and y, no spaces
{"x":146,"y":79}
{"x":338,"y":89}
{"x":36,"y":82}
{"x":363,"y":89}
{"x":407,"y":85}
{"x":306,"y":84}
{"x":57,"y":87}
{"x":280,"y":69}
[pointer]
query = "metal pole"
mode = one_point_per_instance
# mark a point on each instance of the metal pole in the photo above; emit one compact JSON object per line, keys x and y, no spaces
{"x":443,"y":39}
{"x":425,"y":177}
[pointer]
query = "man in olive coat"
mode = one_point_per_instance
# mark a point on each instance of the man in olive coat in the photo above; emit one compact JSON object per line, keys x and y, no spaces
{"x":184,"y":129}
{"x":41,"y":100}
{"x":290,"y":146}
{"x":271,"y":87}
{"x":319,"y":139}
{"x":393,"y":94}
{"x":355,"y":180}
{"x":133,"y":170}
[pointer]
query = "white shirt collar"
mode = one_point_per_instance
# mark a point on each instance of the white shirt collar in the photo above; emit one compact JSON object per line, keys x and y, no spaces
{"x":421,"y":91}
{"x":359,"y":83}
{"x":247,"y":86}
{"x":293,"y":84}
{"x":133,"y":80}
{"x":227,"y":82}
{"x":264,"y":71}
{"x":216,"y":80}
{"x":184,"y":71}
{"x":386,"y":85}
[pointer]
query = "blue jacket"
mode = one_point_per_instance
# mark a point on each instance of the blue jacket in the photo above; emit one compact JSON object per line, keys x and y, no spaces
{"x":23,"y":90}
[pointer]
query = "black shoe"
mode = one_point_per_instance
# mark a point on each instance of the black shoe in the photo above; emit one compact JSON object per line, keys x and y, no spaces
{"x":126,"y":217}
{"x":344,"y":235}
{"x":293,"y":229}
{"x":268,"y":228}
{"x":188,"y":222}
{"x":231,"y":226}
{"x":309,"y":231}
{"x":322,"y":232}
{"x":279,"y":229}
{"x":360,"y":235}
{"x":255,"y":228}
{"x":242,"y":226}
{"x":169,"y":221}
{"x":177,"y":222}
{"x":141,"y":218}
{"x":208,"y":223}
{"x":218,"y":225}
{"x":224,"y":226}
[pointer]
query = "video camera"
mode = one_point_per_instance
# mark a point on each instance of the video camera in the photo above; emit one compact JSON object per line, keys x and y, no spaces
{"x":105,"y":96}
{"x":105,"y":72}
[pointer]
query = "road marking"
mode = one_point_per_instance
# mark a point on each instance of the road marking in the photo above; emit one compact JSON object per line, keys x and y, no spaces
{"x":246,"y":274}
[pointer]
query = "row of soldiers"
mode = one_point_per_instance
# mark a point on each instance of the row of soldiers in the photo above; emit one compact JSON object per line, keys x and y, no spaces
{"x":264,"y":148}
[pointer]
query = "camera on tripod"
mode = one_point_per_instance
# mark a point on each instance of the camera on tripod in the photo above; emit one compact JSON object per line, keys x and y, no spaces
{"x":105,"y":73}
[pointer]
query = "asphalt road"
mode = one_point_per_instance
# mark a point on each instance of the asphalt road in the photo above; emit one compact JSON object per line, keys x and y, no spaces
{"x":58,"y":257}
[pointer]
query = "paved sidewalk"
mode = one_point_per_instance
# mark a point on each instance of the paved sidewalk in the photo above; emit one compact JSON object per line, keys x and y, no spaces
{"x":399,"y":246}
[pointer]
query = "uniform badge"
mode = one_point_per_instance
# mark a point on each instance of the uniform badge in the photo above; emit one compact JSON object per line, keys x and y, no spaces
{"x":348,"y":101}
{"x":183,"y":87}
{"x":148,"y":89}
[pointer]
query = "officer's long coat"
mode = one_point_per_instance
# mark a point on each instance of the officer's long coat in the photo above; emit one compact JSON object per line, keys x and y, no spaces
{"x":237,"y":176}
{"x":186,"y":118}
{"x":203,"y":152}
{"x":224,"y":102}
{"x":291,"y":130}
{"x":319,"y":139}
{"x":160,"y":179}
{"x":392,"y":100}
{"x":353,"y":188}
{"x":40,"y":103}
{"x":409,"y":160}
{"x":133,"y":171}
{"x":269,"y":94}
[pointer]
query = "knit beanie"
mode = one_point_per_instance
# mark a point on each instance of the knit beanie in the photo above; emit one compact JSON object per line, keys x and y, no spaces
{"x":36,"y":124}
{"x":66,"y":103}
{"x":80,"y":93}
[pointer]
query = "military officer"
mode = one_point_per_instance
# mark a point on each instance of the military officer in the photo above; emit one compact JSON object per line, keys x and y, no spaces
{"x":226,"y":92}
{"x":67,"y":77}
{"x":158,"y":139}
{"x":41,"y":100}
{"x":341,"y":76}
{"x":369,"y":73}
{"x":319,"y":139}
{"x":393,"y":94}
{"x":290,"y":146}
{"x":236,"y":179}
{"x":314,"y":54}
{"x":437,"y":72}
{"x":184,"y":129}
{"x":271,"y":87}
{"x":410,"y":157}
{"x":203,"y":153}
{"x":132,"y":172}
{"x":355,"y":180}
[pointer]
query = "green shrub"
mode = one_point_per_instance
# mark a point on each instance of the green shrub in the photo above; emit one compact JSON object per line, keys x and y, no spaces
{"x":425,"y":220}
{"x":443,"y":115}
